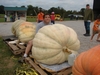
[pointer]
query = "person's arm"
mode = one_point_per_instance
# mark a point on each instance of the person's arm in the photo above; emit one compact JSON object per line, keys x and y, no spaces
{"x":39,"y":25}
{"x":37,"y":17}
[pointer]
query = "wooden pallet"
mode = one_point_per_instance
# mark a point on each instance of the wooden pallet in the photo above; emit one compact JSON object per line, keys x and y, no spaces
{"x":15,"y":48}
{"x":42,"y":71}
{"x":19,"y":49}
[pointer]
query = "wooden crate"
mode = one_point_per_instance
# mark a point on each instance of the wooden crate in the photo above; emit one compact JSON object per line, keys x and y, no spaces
{"x":15,"y":48}
{"x":42,"y":71}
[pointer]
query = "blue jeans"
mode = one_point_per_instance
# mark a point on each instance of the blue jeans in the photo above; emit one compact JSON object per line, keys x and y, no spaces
{"x":87,"y":27}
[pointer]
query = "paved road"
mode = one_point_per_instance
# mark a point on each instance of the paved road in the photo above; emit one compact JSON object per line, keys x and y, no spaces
{"x":78,"y":26}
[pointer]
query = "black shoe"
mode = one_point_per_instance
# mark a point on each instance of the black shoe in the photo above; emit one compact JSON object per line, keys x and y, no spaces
{"x":21,"y":60}
{"x":86,"y":34}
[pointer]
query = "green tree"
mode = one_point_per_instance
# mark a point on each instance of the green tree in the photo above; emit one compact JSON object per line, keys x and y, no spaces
{"x":30,"y":10}
{"x":23,"y":6}
{"x":58,"y":10}
{"x":33,"y":11}
{"x":82,"y":11}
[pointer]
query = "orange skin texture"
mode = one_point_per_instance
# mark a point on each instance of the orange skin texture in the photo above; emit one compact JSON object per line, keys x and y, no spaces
{"x":88,"y":62}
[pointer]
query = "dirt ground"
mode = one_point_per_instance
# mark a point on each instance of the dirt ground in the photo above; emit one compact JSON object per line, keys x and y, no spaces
{"x":78,"y":26}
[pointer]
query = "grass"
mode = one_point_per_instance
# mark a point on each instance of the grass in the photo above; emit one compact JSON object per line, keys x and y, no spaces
{"x":8,"y":61}
{"x":29,"y":18}
{"x":2,"y":18}
{"x":9,"y":64}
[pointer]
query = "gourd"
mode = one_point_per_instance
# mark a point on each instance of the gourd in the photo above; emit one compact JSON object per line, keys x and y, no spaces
{"x":25,"y":31}
{"x":87,"y":62}
{"x":53,"y":43}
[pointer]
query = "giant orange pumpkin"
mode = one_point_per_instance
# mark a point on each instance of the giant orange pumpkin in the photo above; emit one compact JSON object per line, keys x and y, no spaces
{"x":88,"y":62}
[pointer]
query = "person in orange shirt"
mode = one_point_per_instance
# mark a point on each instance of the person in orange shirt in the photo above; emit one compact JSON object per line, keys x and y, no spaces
{"x":96,"y":28}
{"x":40,"y":16}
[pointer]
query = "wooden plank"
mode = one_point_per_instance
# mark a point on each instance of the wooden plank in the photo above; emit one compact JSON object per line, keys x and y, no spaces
{"x":13,"y":47}
{"x":20,"y":46}
{"x":36,"y":67}
{"x":18,"y":52}
{"x":65,"y":72}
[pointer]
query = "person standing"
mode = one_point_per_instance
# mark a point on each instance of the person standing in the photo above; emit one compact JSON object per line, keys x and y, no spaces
{"x":88,"y":17}
{"x":40,"y":16}
{"x":5,"y":18}
{"x":18,"y":16}
{"x":76,"y":16}
{"x":53,"y":17}
{"x":11,"y":18}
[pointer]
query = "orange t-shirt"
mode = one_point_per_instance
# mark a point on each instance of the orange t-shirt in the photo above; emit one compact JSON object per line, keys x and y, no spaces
{"x":96,"y":25}
{"x":40,"y":16}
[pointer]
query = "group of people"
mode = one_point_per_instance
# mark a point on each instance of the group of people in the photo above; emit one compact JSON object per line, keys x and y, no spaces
{"x":12,"y":17}
{"x":47,"y":19}
{"x":41,"y":14}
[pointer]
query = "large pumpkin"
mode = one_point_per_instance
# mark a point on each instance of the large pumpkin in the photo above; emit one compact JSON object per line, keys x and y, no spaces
{"x":88,"y":62}
{"x":25,"y":31}
{"x":15,"y":26}
{"x":53,"y":43}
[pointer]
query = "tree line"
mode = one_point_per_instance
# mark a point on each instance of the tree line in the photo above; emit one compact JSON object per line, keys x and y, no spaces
{"x":33,"y":11}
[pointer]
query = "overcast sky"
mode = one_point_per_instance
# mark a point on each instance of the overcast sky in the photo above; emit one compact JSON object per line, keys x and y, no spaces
{"x":47,"y":4}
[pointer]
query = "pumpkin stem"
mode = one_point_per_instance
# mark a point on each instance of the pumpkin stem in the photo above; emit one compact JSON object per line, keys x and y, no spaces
{"x":66,"y":50}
